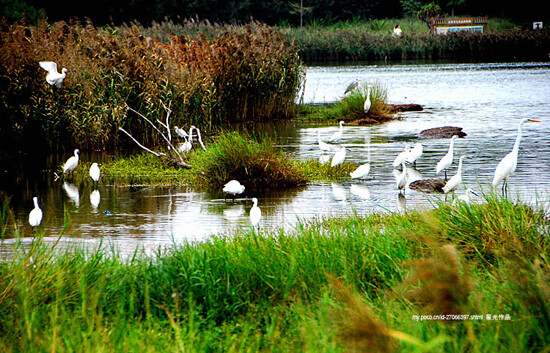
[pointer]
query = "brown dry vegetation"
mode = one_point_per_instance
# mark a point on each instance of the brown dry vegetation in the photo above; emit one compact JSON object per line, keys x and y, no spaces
{"x":247,"y":72}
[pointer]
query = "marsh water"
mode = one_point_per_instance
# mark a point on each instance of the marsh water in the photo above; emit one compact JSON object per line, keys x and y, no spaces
{"x":486,"y":99}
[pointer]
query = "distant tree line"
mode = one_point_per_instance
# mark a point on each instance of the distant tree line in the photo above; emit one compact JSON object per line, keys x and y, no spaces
{"x":272,"y":12}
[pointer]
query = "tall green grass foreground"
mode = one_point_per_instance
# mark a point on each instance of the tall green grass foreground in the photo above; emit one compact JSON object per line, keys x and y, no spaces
{"x":419,"y":282}
{"x":244,"y":73}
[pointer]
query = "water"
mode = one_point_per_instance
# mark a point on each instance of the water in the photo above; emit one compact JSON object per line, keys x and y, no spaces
{"x":487,"y":100}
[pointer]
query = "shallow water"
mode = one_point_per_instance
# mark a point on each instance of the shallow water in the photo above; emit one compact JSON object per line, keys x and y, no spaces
{"x":487,"y":100}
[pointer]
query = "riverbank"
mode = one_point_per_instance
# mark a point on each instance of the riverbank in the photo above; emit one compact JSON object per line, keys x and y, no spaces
{"x":457,"y":276}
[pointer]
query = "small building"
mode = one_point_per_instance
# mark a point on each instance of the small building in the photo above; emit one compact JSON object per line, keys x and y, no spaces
{"x":446,"y":25}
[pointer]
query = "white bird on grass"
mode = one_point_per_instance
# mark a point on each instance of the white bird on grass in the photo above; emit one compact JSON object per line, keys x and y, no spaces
{"x":447,"y":160}
{"x":95,"y":172}
{"x":415,"y":153}
{"x":338,"y":134}
{"x":402,"y":156}
{"x":233,"y":187}
{"x":368,"y":103}
{"x":453,"y":183}
{"x":53,"y":77}
{"x":35,"y":216}
{"x":255,"y":213}
{"x":71,"y":163}
{"x":508,"y":164}
{"x":338,"y":157}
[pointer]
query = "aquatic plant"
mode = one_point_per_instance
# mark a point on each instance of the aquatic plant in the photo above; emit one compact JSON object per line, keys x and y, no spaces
{"x":256,"y":164}
{"x":327,"y":285}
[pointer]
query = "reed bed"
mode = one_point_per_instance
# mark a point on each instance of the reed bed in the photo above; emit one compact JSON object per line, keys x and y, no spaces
{"x":358,"y":283}
{"x":248,"y":72}
{"x":355,"y":43}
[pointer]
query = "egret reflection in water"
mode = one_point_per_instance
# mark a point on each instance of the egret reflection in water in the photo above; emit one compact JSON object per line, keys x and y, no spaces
{"x":72,"y":191}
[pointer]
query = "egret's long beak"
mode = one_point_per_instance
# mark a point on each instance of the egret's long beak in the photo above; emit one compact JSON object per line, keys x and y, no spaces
{"x":535,"y":120}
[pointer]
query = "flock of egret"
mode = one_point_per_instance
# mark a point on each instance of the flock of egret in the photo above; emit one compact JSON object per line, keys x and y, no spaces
{"x":411,"y":154}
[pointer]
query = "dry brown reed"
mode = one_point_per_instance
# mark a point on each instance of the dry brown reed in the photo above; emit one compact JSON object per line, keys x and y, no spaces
{"x":244,"y":73}
{"x":443,"y":286}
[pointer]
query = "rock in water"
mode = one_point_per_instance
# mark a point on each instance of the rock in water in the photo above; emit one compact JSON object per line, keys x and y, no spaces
{"x":442,"y":132}
{"x":428,"y":185}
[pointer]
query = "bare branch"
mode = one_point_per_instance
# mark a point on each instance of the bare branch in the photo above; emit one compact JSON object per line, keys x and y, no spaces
{"x":140,"y":145}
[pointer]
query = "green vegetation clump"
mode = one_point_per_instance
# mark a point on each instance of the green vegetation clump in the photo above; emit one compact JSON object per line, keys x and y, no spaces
{"x":248,"y":72}
{"x":407,"y":282}
{"x":255,"y":164}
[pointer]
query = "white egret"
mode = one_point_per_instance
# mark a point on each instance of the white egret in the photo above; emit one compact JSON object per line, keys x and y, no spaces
{"x":508,"y":164}
{"x":338,"y":134}
{"x":35,"y":216}
{"x":368,"y":103}
{"x":353,"y":85}
{"x":95,"y":172}
{"x":338,"y":157}
{"x":71,"y":163}
{"x":185,"y":146}
{"x":456,"y":180}
{"x":95,"y":198}
{"x":466,"y":197}
{"x":447,"y":160}
{"x":415,"y":153}
{"x":323,"y":146}
{"x":53,"y":77}
{"x":324,"y":158}
{"x":401,"y":177}
{"x":255,"y":213}
{"x":361,"y":172}
{"x":402,"y":156}
{"x":181,"y":132}
{"x":233,"y":187}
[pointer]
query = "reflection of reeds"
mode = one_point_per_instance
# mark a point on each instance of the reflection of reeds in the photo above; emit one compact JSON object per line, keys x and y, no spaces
{"x":242,"y":73}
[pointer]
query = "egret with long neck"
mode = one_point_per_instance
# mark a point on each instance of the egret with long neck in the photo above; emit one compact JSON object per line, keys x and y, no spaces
{"x":508,"y":164}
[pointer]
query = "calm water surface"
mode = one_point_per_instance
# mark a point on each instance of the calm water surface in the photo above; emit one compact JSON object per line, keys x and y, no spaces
{"x":487,"y":100}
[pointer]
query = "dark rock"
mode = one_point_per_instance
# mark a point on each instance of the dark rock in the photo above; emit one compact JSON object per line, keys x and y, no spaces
{"x":397,"y":108}
{"x":442,"y":132}
{"x":429,"y":186}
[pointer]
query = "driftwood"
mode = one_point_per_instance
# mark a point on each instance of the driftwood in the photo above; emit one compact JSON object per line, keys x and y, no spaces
{"x":177,"y":159}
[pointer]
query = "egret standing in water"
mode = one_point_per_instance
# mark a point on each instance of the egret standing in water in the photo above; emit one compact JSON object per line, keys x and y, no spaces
{"x":447,"y":160}
{"x":71,"y":163}
{"x":53,"y":77}
{"x":456,"y":180}
{"x":415,"y":153}
{"x":95,"y":172}
{"x":323,"y":146}
{"x":402,"y":156}
{"x":338,"y":134}
{"x":508,"y":164}
{"x":401,"y":177}
{"x":35,"y":217}
{"x":255,"y":213}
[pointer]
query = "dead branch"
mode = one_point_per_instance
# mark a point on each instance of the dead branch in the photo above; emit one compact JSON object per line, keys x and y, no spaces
{"x":179,"y":161}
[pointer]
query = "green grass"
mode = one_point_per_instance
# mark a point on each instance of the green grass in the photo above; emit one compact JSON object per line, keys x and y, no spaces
{"x":329,"y":285}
